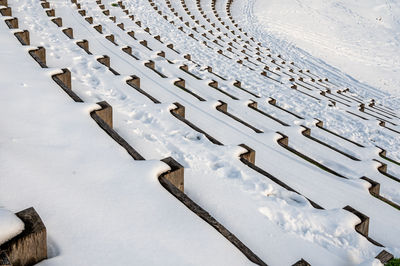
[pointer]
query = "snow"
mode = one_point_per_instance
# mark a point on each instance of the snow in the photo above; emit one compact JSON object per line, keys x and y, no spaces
{"x":101,"y":207}
{"x":358,"y":37}
{"x":10,"y":225}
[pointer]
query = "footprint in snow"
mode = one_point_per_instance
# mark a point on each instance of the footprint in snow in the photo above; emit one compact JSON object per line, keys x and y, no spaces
{"x":217,"y":166}
{"x":150,"y":137}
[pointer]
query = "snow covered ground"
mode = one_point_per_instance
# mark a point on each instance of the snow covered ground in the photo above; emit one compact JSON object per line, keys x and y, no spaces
{"x":361,"y":38}
{"x":94,"y":198}
{"x":10,"y":225}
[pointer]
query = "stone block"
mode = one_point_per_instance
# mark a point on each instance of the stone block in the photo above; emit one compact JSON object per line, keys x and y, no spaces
{"x":306,"y":131}
{"x":250,"y":155}
{"x":158,"y":38}
{"x":150,"y":64}
{"x":99,"y":28}
{"x":382,"y":168}
{"x":363,"y":226}
{"x":105,"y":113}
{"x":161,"y":53}
{"x":39,"y":55}
{"x":384,"y":256}
{"x":375,"y":186}
{"x":176,"y":175}
{"x":29,"y":247}
{"x":222,"y":106}
{"x":134,"y":81}
{"x":144,"y":43}
{"x":23,"y":37}
{"x":184,"y":68}
{"x":57,"y":21}
{"x":132,"y":34}
{"x":84,"y":44}
{"x":237,"y":84}
{"x":110,"y":38}
{"x":45,"y":4}
{"x":127,"y":49}
{"x":213,"y":84}
{"x":253,"y":104}
{"x":4,"y":260}
{"x":284,"y":140}
{"x":180,"y":83}
{"x":64,"y":78}
{"x":6,"y":11}
{"x":89,"y":20}
{"x":104,"y":60}
{"x":69,"y":32}
{"x":82,"y":12}
{"x":12,"y":23}
{"x":179,"y":110}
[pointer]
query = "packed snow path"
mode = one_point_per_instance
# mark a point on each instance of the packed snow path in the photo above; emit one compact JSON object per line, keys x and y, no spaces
{"x":234,"y":91}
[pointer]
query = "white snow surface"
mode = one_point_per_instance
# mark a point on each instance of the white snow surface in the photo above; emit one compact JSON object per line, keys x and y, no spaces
{"x":10,"y":225}
{"x":359,"y":37}
{"x":102,"y":208}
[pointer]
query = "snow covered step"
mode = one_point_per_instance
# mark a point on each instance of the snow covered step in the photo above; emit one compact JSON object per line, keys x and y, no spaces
{"x":249,"y":160}
{"x":223,"y":108}
{"x":30,"y":246}
{"x":134,"y":82}
{"x":104,"y":119}
{"x":253,"y":105}
{"x":179,"y":113}
{"x":90,"y":211}
{"x":383,"y":154}
{"x":105,"y":60}
{"x":320,"y":125}
{"x":383,"y":124}
{"x":181,"y":84}
{"x":374,"y":190}
{"x":211,"y":221}
{"x":307,"y":133}
{"x":63,"y":80}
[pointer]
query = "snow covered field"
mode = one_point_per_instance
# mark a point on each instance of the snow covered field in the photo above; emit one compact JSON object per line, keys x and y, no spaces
{"x":361,"y":38}
{"x":102,"y":207}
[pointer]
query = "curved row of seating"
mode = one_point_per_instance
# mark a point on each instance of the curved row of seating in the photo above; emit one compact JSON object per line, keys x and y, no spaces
{"x":169,"y":78}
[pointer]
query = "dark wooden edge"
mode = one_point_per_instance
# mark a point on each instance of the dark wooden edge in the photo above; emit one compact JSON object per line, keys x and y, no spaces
{"x":247,"y":159}
{"x":179,"y":113}
{"x":203,"y":214}
{"x":30,"y":246}
{"x":223,"y":107}
{"x":113,"y":134}
{"x":65,"y":87}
